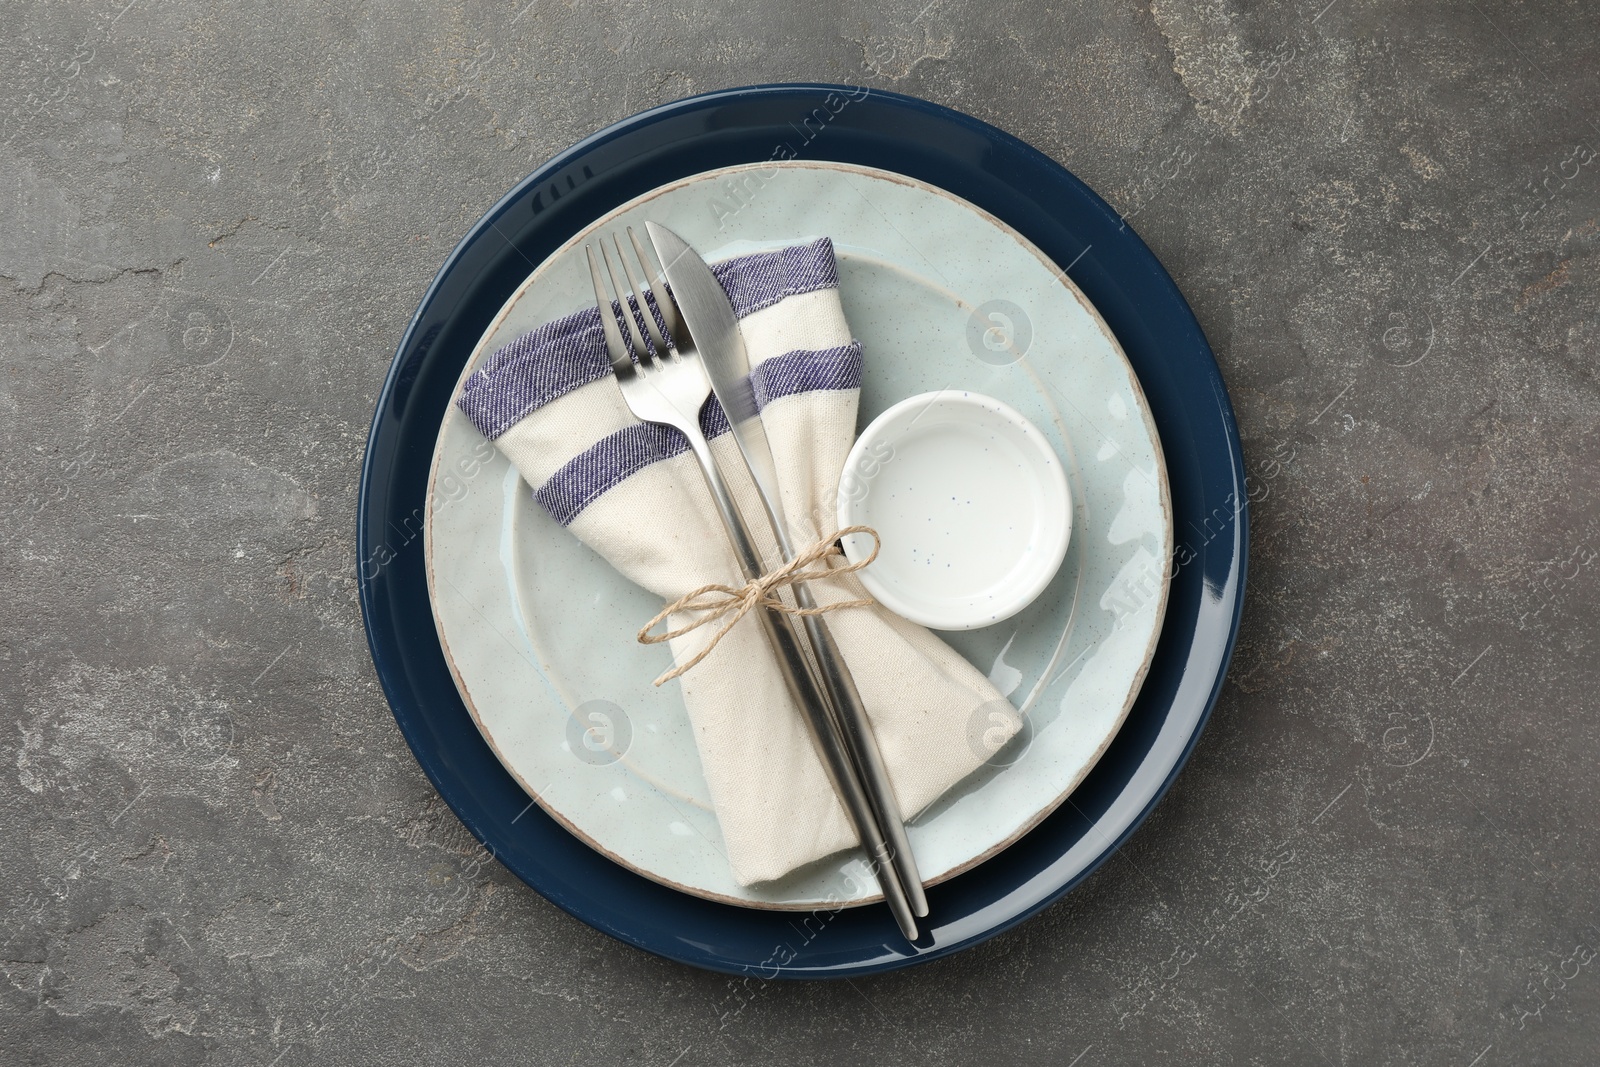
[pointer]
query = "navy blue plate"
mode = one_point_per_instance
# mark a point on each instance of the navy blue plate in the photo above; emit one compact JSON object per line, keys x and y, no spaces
{"x":1056,"y":212}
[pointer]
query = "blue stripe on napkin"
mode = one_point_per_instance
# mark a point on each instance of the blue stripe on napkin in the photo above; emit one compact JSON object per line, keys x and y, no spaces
{"x":614,"y":459}
{"x":547,"y":363}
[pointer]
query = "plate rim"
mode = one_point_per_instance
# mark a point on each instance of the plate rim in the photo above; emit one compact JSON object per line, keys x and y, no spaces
{"x":1221,"y":606}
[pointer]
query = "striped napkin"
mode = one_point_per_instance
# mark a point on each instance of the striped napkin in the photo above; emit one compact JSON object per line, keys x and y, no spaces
{"x":634,"y":493}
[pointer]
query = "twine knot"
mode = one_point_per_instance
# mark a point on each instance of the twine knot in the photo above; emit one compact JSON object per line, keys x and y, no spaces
{"x":717,"y":601}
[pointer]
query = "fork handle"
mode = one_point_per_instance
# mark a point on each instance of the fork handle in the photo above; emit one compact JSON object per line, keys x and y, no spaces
{"x":806,"y":692}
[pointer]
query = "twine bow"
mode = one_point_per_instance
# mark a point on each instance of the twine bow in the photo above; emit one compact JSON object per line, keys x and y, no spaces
{"x":716,"y":601}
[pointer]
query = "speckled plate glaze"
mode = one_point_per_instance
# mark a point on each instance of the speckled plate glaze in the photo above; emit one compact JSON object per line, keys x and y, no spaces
{"x":538,"y":630}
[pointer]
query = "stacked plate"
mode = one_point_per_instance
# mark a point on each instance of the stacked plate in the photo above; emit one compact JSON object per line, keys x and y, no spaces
{"x":968,"y":261}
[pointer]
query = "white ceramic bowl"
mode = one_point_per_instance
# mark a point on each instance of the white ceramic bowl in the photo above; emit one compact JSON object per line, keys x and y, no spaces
{"x":970,"y":503}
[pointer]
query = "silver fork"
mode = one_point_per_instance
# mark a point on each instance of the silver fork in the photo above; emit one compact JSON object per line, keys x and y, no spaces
{"x":669,"y":386}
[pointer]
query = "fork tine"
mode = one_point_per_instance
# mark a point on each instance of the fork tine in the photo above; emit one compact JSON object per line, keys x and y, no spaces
{"x":641,"y":350}
{"x":621,"y":361}
{"x":641,"y":290}
{"x":663,"y":295}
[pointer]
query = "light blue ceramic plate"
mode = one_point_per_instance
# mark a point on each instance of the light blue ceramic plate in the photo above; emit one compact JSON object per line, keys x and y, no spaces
{"x":539,"y":631}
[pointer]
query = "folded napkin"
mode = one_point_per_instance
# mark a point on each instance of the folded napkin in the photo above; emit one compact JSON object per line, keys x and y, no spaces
{"x":633,"y":492}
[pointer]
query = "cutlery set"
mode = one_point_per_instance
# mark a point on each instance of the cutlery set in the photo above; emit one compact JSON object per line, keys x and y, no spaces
{"x":667,"y":370}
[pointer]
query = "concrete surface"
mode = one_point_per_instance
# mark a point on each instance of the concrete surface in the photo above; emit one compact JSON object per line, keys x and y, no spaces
{"x":215,"y":220}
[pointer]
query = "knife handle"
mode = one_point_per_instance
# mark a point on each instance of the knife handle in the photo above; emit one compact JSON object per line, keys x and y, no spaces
{"x":856,"y":728}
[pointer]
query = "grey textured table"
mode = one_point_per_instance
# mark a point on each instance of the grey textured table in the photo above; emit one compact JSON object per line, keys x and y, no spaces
{"x":215,"y":222}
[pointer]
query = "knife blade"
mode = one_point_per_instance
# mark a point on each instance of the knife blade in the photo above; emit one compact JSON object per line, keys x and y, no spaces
{"x":715,"y":328}
{"x":712,"y":323}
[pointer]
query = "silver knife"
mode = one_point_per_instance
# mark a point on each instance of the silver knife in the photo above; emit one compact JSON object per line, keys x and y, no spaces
{"x":712,"y":323}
